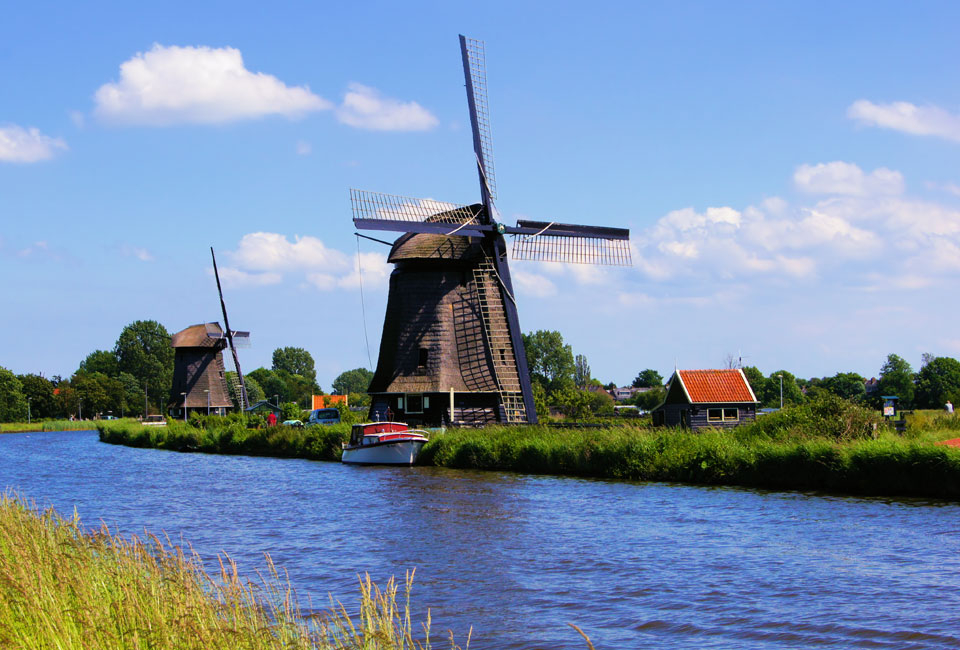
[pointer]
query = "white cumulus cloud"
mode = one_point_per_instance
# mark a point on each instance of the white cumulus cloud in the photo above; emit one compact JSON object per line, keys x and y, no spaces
{"x":533,"y":284}
{"x":840,"y":177}
{"x":21,"y":145}
{"x":200,"y":85}
{"x":231,"y":277}
{"x":365,"y":108}
{"x":270,"y":251}
{"x":908,"y":118}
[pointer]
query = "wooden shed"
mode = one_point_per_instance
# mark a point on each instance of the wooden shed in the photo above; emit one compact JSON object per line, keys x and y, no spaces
{"x":698,"y":399}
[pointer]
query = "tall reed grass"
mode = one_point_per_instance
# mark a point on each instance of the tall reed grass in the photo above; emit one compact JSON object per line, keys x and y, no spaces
{"x":63,"y":588}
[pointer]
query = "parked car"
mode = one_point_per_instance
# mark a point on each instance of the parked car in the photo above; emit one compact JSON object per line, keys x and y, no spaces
{"x":324,"y":416}
{"x":154,"y":421}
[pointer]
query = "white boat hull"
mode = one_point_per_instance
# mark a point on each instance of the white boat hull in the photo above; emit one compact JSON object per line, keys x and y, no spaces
{"x":392,"y":452}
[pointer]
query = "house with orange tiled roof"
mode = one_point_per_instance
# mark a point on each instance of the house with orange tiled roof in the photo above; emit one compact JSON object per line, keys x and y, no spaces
{"x":698,"y":399}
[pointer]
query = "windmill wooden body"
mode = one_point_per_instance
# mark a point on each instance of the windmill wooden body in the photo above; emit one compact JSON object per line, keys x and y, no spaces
{"x":199,"y":374}
{"x":451,"y":350}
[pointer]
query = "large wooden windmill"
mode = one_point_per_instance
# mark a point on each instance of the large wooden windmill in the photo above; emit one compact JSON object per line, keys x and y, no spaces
{"x":451,"y":349}
{"x":199,"y":373}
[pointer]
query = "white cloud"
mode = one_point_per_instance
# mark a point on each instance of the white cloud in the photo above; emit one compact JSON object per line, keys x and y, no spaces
{"x":263,"y":258}
{"x":365,"y":108}
{"x":374,"y":268}
{"x":908,"y":118}
{"x":840,"y":177}
{"x":269,"y":251}
{"x":866,"y":235}
{"x":231,"y":277}
{"x":200,"y":85}
{"x":20,"y":145}
{"x":304,"y":148}
{"x":140,"y":253}
{"x":949,"y":188}
{"x":533,"y":284}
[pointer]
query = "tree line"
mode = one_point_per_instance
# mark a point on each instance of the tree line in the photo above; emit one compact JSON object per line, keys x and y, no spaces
{"x":134,"y":378}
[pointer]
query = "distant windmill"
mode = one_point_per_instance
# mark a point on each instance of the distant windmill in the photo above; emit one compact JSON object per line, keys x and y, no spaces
{"x":199,"y":374}
{"x":451,"y":349}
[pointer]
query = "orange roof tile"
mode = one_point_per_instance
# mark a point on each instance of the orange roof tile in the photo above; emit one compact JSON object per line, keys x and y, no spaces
{"x":710,"y":386}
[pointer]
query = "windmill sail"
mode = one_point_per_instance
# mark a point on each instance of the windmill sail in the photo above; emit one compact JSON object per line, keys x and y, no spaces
{"x":242,"y":388}
{"x":557,"y":242}
{"x":475,"y":75}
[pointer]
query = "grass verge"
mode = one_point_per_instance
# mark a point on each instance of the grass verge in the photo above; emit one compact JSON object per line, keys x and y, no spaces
{"x":62,"y":588}
{"x":828,"y":444}
{"x":51,"y":425}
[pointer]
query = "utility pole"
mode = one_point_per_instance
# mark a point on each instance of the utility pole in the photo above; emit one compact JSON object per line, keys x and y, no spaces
{"x":781,"y":391}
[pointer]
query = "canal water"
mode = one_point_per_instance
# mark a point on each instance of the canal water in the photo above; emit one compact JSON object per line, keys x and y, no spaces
{"x":636,"y":565}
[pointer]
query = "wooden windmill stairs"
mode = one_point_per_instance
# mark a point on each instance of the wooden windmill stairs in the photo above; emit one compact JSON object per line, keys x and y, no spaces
{"x":452,"y":293}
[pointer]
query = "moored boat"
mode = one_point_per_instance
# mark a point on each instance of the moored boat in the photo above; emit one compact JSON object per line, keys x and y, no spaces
{"x":383,"y":443}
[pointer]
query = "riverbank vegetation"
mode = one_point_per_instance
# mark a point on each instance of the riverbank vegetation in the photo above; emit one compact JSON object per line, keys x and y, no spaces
{"x":65,"y":588}
{"x":825,"y":444}
{"x":50,"y":425}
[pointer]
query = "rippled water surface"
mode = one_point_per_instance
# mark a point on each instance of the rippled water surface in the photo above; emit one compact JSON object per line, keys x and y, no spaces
{"x":636,"y":565}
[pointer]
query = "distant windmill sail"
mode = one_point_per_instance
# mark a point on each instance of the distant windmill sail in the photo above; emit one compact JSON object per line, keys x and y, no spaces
{"x":241,"y":386}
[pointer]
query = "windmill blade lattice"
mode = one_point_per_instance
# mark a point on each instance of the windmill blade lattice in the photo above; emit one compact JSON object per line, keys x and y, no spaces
{"x":577,"y":244}
{"x":476,"y":64}
{"x":374,"y":206}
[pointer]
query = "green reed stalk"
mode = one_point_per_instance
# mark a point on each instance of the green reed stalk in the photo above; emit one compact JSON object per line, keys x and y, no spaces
{"x":63,"y":588}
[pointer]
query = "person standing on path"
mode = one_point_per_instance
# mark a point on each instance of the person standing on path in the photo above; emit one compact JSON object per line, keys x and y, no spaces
{"x":949,"y":407}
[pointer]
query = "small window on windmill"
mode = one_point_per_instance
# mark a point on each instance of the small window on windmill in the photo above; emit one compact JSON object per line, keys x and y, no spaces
{"x":422,"y":359}
{"x":503,"y":356}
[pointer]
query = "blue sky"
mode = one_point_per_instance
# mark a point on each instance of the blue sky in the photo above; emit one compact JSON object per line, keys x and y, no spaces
{"x":788,"y":172}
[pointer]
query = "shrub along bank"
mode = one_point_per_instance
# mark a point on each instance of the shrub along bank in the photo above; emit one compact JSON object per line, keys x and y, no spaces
{"x":827,"y":444}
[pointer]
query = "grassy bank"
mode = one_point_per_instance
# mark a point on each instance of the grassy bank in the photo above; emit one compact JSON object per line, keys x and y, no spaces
{"x":827,"y":445}
{"x":51,"y":425}
{"x":64,"y":589}
{"x":230,"y":436}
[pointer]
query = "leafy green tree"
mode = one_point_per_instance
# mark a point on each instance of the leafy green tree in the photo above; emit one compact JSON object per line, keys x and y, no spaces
{"x":937,"y":382}
{"x":896,"y":378}
{"x":650,"y":399}
{"x":299,"y":388}
{"x":648,"y":379}
{"x":143,"y":350}
{"x":254,"y":391}
{"x":758,"y":382}
{"x":100,"y":394}
{"x":13,"y":403}
{"x":550,"y":362}
{"x":352,"y":381}
{"x":358,"y":399}
{"x":581,"y":371}
{"x":792,"y":395}
{"x":39,"y":390}
{"x":271,"y":383}
{"x":132,"y":395}
{"x":295,"y":361}
{"x":100,"y":361}
{"x":599,"y":402}
{"x":848,"y":385}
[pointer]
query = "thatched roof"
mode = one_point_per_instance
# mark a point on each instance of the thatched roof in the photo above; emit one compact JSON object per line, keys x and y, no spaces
{"x":204,"y":335}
